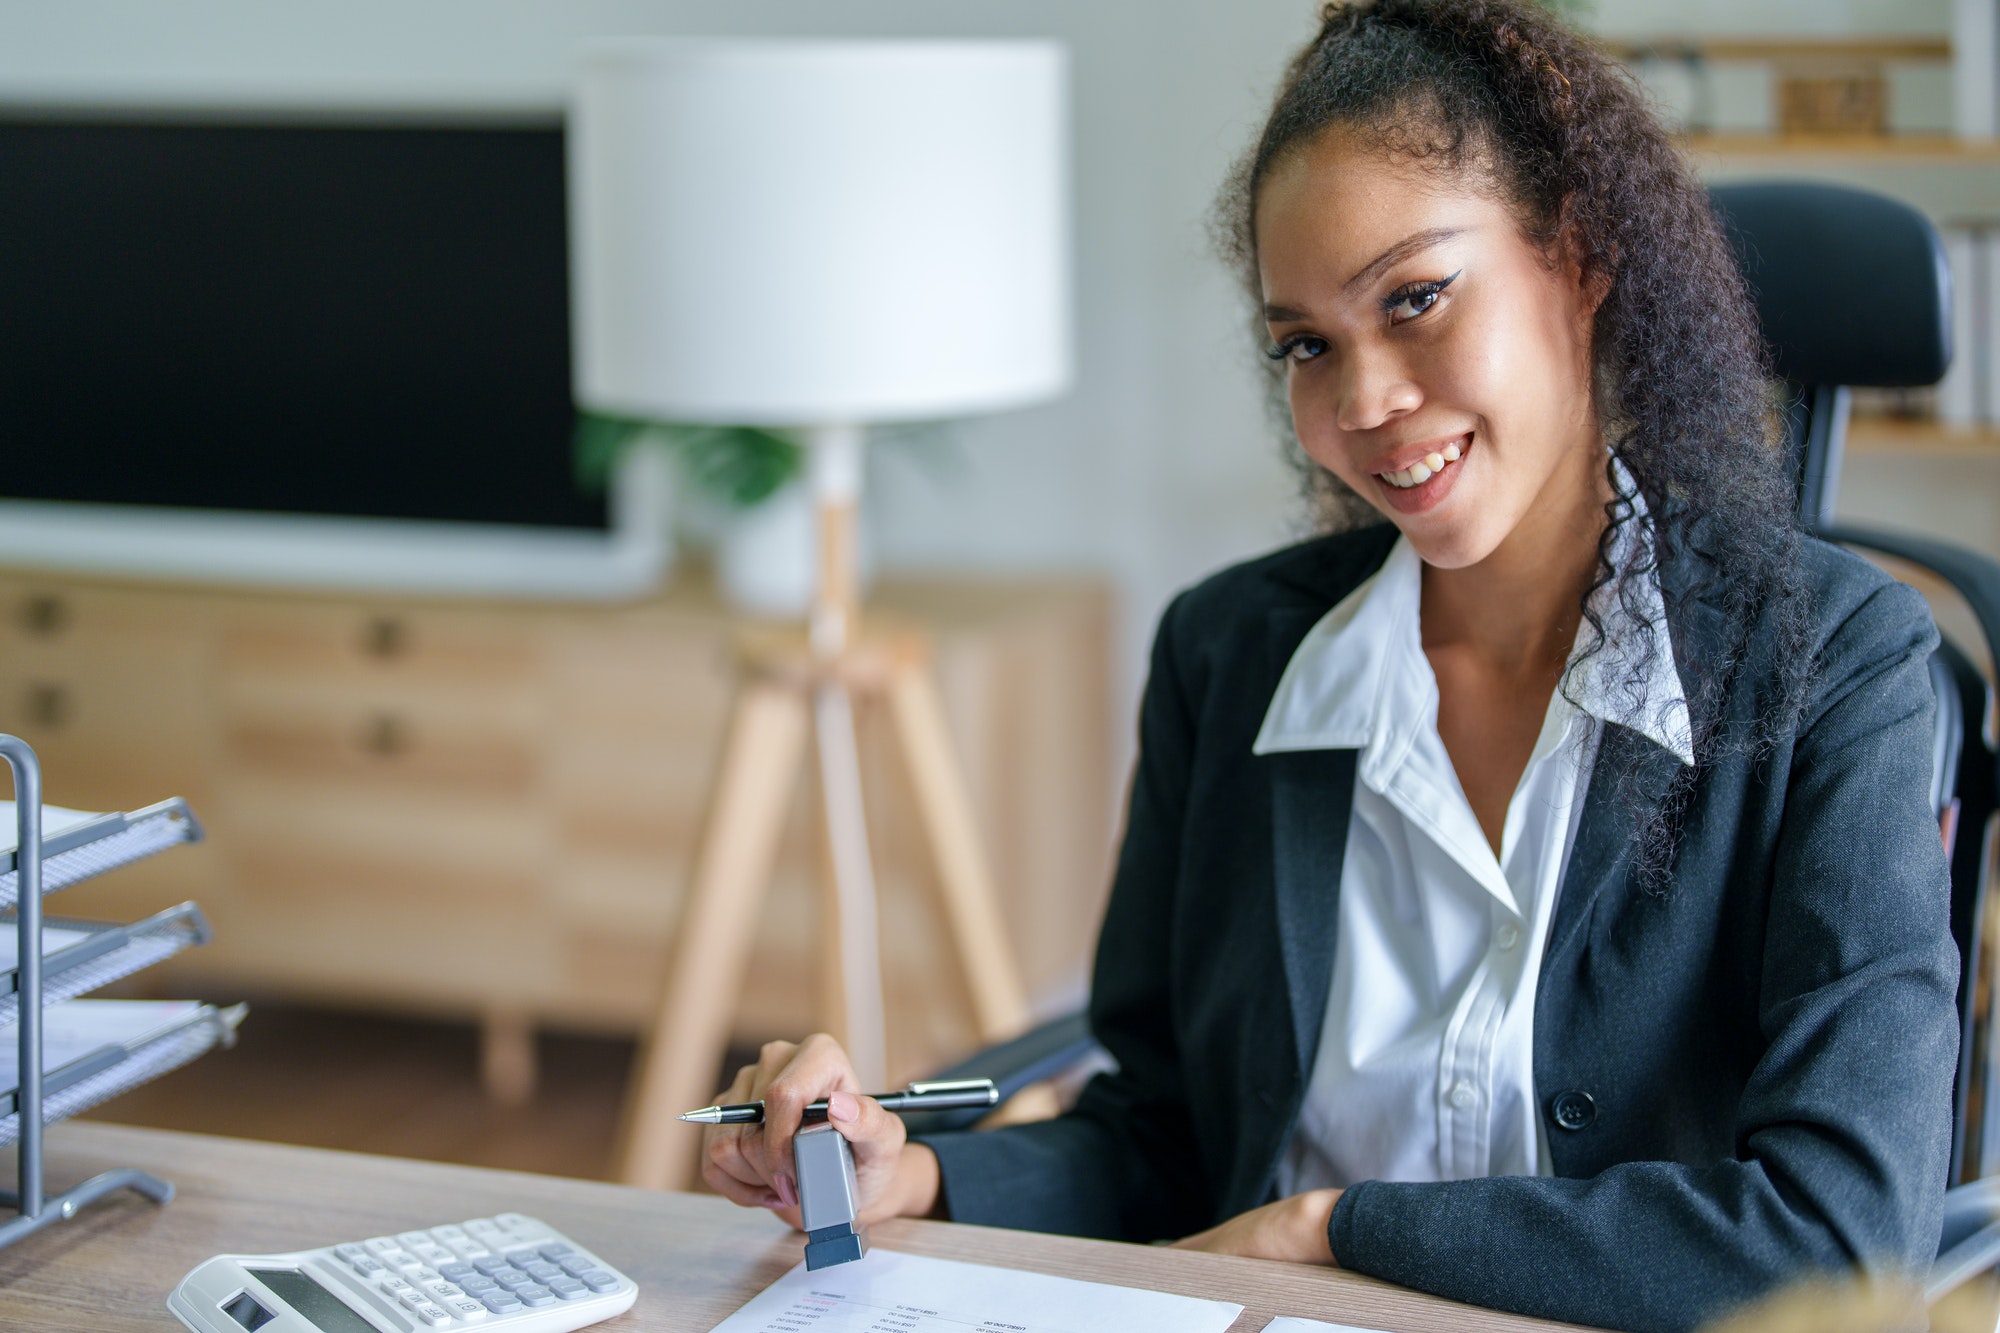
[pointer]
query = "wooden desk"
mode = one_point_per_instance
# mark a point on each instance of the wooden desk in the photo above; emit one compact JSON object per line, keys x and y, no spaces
{"x":695,"y":1258}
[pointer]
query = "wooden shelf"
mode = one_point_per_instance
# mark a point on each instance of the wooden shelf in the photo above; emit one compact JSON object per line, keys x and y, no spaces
{"x":1866,"y":147}
{"x":1880,"y":436}
{"x":1881,"y":47}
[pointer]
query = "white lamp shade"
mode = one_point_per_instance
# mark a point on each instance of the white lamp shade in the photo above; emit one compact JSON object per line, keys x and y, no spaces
{"x":803,"y":233}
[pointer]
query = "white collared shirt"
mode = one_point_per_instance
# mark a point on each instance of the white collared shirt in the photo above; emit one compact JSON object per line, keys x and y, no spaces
{"x":1425,"y":1068}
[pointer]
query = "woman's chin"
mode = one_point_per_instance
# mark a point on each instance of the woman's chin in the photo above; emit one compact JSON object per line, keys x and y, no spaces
{"x":1444,"y":542}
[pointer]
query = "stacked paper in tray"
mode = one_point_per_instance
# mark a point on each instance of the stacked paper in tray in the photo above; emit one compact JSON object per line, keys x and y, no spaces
{"x":95,"y":1049}
{"x":77,"y":844}
{"x":80,"y":956}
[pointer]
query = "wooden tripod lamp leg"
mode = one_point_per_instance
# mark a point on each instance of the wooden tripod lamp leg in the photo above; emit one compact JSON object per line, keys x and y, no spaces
{"x":971,"y":903}
{"x":684,"y":1044}
{"x":853,"y":919}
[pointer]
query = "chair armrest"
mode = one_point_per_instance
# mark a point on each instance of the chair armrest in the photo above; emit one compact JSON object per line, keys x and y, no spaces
{"x":1972,"y":574}
{"x":1039,"y":1053}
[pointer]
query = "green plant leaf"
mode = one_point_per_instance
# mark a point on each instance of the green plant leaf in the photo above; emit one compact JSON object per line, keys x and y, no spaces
{"x":743,"y":465}
{"x":738,"y":465}
{"x":595,"y":444}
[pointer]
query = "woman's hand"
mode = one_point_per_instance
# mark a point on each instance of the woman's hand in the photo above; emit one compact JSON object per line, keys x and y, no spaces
{"x":752,"y":1164}
{"x":1293,"y":1230}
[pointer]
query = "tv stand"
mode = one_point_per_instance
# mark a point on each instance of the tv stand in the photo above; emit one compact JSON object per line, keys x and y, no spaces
{"x":485,"y":811}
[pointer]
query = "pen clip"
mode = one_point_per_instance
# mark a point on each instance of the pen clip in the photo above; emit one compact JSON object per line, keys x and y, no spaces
{"x":966,"y":1085}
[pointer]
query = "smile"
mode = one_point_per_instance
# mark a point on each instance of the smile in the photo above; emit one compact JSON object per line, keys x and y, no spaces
{"x":1421,"y":471}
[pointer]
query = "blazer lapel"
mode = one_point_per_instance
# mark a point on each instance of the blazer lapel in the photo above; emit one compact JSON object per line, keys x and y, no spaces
{"x":1602,"y":855}
{"x":1312,"y":801}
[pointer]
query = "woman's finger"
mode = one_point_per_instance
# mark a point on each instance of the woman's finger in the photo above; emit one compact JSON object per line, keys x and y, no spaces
{"x":722,"y":1145}
{"x":737,"y":1191}
{"x":815,"y":1068}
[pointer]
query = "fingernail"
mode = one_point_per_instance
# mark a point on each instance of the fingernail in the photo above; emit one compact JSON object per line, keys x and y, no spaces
{"x":786,"y":1191}
{"x":842,"y":1106}
{"x":771,"y":1200}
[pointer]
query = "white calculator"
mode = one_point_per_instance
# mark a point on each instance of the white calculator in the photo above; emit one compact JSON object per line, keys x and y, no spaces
{"x":508,"y":1274}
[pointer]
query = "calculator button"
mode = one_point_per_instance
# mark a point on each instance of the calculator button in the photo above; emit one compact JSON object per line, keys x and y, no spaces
{"x":514,"y":1222}
{"x":555,"y":1252}
{"x":442,"y":1290}
{"x":366,"y":1267}
{"x":395,"y":1286}
{"x":521,"y":1258}
{"x":468,"y":1249}
{"x":485,"y":1228}
{"x":540,"y":1271}
{"x":492,"y":1264}
{"x":413,"y":1299}
{"x":411,"y":1239}
{"x":433,"y":1314}
{"x":513,"y":1279}
{"x":479,"y":1286}
{"x":536,"y":1294}
{"x":446,"y":1235}
{"x":598,"y":1280}
{"x":381,"y":1245}
{"x":501,"y":1302}
{"x":466,"y":1308}
{"x":350,"y":1252}
{"x":435,"y":1254}
{"x":420,"y":1275}
{"x":575,"y":1264}
{"x":398,"y":1258}
{"x":568,"y":1288}
{"x":456,"y":1272}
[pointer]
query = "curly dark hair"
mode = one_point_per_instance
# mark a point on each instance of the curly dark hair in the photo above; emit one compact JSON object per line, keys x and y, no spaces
{"x":1504,"y":90}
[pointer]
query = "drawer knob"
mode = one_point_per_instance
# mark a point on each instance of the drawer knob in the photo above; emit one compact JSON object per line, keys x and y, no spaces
{"x":386,"y":735}
{"x":385,"y":636}
{"x":45,"y":613}
{"x":48,"y":706}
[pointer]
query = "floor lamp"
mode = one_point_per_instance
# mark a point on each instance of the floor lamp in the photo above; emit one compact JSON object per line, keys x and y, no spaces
{"x":818,"y":235}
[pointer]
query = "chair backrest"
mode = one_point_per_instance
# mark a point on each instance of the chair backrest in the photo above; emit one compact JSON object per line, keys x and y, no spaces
{"x":1853,"y":291}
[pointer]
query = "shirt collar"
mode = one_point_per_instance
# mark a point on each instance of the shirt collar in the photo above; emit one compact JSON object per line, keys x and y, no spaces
{"x":1355,"y":683}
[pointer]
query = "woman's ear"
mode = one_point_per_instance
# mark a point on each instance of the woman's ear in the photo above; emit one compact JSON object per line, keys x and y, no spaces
{"x":1589,"y":272}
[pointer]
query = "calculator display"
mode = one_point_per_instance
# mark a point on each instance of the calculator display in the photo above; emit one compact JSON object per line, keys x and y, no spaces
{"x":326,"y":1310}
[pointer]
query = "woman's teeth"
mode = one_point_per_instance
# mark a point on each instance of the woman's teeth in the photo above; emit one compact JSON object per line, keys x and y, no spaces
{"x":1416,"y":474}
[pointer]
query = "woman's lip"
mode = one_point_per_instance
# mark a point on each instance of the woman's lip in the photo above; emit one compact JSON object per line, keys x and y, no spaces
{"x":1404,"y":459}
{"x":1425,"y":495}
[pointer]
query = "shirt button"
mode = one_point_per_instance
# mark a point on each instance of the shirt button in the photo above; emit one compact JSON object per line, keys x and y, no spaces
{"x":1506,"y":935}
{"x":1462,"y":1094}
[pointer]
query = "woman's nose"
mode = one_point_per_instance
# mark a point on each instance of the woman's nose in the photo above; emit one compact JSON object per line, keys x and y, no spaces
{"x":1374,"y":389}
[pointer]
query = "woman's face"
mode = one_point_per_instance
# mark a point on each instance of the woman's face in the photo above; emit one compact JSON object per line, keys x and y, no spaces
{"x":1438,"y":361}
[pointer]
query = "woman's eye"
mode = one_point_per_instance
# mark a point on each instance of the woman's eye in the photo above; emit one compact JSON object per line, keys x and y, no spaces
{"x":1301,"y":348}
{"x":1409,"y":307}
{"x":1406,"y":303}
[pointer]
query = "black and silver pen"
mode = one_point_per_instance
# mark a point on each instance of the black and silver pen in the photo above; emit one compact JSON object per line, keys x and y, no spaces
{"x":949,"y":1096}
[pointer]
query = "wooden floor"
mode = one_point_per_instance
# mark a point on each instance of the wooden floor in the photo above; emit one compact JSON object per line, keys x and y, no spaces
{"x":407,"y":1089}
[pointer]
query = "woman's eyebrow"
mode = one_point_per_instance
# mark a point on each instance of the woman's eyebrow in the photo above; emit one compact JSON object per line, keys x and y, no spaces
{"x":1402,"y":249}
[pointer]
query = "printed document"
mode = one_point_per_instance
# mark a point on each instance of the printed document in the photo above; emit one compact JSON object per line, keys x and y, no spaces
{"x":911,"y":1294}
{"x":1289,"y":1324}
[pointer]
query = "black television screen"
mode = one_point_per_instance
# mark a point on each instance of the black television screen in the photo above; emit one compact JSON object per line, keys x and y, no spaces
{"x":340,"y":319}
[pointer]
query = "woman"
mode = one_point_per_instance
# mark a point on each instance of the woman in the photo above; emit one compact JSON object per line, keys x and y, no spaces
{"x":1529,"y":892}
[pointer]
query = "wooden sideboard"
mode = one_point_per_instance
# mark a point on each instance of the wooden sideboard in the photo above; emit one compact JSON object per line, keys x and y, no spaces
{"x":484,"y":810}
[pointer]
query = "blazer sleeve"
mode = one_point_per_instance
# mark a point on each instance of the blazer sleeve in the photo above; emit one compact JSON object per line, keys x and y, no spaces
{"x":1843,"y":1129}
{"x":1122,"y":1164}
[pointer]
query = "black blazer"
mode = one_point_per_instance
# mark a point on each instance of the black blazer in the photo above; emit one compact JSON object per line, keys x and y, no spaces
{"x":1743,"y":1079}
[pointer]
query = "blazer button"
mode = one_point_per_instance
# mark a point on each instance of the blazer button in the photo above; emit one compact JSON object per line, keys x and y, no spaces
{"x":1574,"y":1110}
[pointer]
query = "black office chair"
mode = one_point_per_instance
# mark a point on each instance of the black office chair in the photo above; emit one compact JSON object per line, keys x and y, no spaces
{"x":1852,"y":290}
